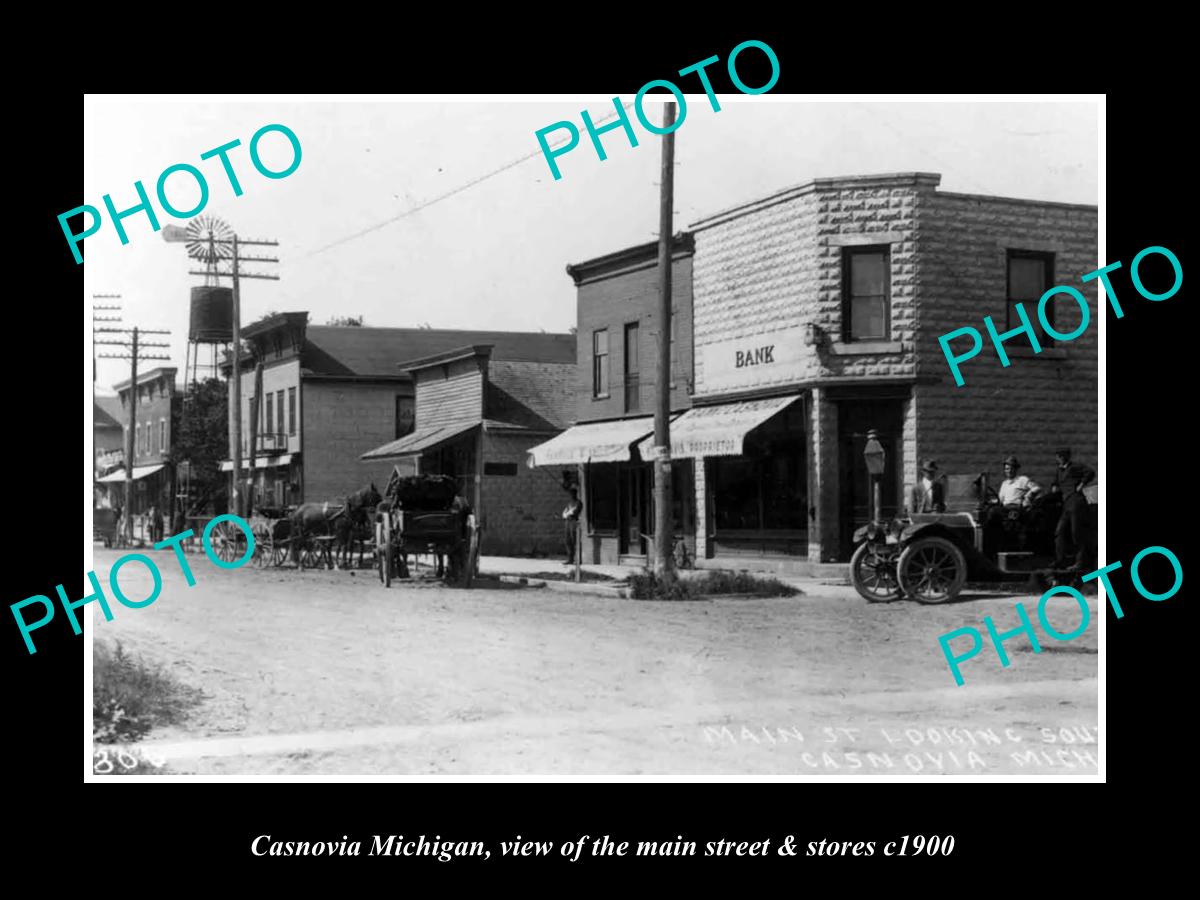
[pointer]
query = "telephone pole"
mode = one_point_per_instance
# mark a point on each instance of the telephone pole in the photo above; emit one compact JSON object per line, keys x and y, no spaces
{"x":663,"y":525}
{"x":96,"y":318}
{"x":134,"y":354}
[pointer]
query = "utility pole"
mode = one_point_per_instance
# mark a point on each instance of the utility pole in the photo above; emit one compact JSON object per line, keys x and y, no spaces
{"x":213,"y":247}
{"x":134,"y":346}
{"x":663,"y":525}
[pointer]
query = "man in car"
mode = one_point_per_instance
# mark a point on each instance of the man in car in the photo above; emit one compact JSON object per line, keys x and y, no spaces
{"x":1016,"y":490}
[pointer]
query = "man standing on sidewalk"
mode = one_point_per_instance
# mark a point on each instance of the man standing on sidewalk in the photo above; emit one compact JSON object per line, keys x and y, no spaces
{"x":571,"y":516}
{"x":1070,"y":479}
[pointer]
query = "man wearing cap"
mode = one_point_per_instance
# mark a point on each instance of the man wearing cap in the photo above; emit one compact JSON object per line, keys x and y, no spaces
{"x":1016,"y":491}
{"x":1070,"y":478}
{"x":927,"y":495}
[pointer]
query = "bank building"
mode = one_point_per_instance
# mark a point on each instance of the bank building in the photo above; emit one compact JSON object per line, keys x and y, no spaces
{"x":801,"y":321}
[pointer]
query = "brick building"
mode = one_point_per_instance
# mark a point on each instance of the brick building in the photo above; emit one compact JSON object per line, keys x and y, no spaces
{"x":615,"y":386}
{"x":816,"y":314}
{"x":479,"y":408}
{"x":155,"y":398}
{"x":332,"y":393}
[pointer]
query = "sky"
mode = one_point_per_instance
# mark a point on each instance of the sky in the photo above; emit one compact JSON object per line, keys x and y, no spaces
{"x":493,"y":256}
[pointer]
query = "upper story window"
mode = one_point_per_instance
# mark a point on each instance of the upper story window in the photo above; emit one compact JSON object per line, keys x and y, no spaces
{"x":866,"y":293}
{"x":162,"y":435}
{"x":405,"y":415}
{"x":292,"y":410}
{"x":600,"y":363}
{"x":1030,"y":274}
{"x":633,"y":387}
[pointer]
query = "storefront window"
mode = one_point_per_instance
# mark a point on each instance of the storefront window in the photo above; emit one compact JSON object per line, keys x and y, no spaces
{"x":602,"y":497}
{"x":764,"y":492}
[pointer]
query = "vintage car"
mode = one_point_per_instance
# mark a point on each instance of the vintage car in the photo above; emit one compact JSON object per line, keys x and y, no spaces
{"x":929,"y":557}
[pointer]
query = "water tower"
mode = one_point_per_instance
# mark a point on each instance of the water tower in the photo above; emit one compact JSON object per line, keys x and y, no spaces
{"x":211,"y":321}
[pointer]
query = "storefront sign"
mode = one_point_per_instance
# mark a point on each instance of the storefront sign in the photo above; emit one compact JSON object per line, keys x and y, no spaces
{"x":753,"y":360}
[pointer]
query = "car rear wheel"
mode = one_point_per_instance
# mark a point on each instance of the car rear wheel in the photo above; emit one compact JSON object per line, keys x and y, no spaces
{"x":932,"y":570}
{"x":873,"y":572}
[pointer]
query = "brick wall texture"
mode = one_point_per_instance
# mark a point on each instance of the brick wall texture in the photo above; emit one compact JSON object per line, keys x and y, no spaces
{"x":632,"y":296}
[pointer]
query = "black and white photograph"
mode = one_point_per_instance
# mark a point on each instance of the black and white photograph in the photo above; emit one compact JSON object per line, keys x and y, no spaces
{"x":669,"y":437}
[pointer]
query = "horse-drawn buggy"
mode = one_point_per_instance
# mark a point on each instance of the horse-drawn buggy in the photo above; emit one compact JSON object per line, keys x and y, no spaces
{"x":425,"y":514}
{"x":929,"y":557}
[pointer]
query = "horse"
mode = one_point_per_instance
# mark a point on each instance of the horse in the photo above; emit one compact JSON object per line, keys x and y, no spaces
{"x":319,"y":520}
{"x":350,"y":529}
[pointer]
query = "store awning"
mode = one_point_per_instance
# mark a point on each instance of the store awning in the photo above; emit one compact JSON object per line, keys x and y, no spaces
{"x":718,"y":430}
{"x":420,"y":440}
{"x":138,"y":472}
{"x":597,"y":442}
{"x":262,"y":462}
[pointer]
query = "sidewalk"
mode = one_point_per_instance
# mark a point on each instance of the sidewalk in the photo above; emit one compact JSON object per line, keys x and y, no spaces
{"x":512,"y":568}
{"x":515,"y":565}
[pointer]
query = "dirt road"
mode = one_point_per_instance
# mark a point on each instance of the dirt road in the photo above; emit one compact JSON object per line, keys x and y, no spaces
{"x":330,"y":673}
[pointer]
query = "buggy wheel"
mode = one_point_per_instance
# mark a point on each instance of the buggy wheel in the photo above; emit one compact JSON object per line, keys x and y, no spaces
{"x":264,"y":551}
{"x":932,"y":570}
{"x":224,"y":540}
{"x":873,"y":572}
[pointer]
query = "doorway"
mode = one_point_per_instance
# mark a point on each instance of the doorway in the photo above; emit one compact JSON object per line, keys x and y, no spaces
{"x":857,"y":416}
{"x":634,"y":491}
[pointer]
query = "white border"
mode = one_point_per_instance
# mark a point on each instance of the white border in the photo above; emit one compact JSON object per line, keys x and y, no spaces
{"x":571,"y":100}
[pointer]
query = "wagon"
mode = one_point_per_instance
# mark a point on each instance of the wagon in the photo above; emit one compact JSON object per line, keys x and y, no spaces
{"x":423,"y":514}
{"x":931,"y":556}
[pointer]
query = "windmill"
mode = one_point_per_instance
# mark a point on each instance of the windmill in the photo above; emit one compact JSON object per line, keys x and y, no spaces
{"x":209,"y":240}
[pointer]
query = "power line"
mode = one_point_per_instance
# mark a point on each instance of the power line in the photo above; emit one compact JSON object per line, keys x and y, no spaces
{"x":451,"y":193}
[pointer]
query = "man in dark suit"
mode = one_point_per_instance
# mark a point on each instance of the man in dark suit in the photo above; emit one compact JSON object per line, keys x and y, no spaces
{"x":1070,"y":478}
{"x":929,"y":494}
{"x":571,"y":516}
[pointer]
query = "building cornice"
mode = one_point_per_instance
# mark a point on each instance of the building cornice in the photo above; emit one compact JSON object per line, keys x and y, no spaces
{"x":630,"y":259}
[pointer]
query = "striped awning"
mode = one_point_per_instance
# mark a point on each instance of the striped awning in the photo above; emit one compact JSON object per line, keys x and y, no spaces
{"x":138,"y":472}
{"x":262,"y":462}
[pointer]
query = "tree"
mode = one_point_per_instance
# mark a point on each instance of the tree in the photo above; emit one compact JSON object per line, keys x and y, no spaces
{"x":200,"y":437}
{"x":347,"y":321}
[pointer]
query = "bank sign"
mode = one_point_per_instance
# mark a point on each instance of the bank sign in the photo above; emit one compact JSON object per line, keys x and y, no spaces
{"x":768,"y":358}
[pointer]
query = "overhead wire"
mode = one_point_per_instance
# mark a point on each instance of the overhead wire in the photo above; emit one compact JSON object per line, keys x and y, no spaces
{"x":458,"y":190}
